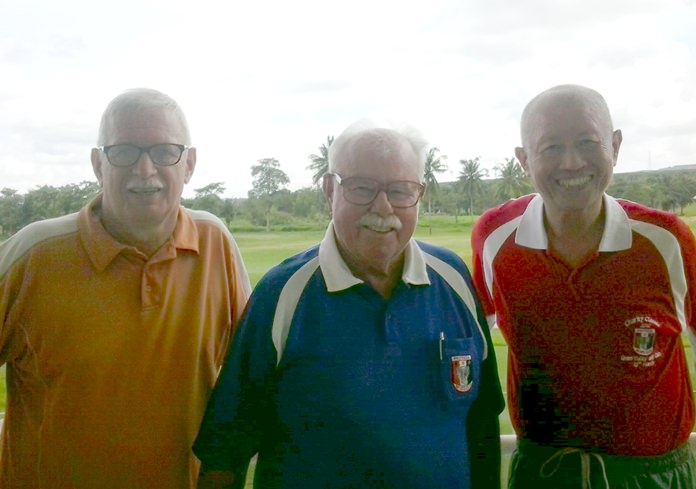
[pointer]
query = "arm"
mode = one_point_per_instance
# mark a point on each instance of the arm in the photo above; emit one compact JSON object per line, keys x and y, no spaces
{"x":688,"y":249}
{"x":238,"y":410}
{"x":478,"y":275}
{"x":240,"y":279}
{"x":483,"y":431}
{"x":483,"y":428}
{"x":12,"y":277}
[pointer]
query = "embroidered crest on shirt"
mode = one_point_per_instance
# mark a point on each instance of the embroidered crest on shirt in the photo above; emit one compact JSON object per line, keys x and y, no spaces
{"x":643,"y":341}
{"x":460,"y":368}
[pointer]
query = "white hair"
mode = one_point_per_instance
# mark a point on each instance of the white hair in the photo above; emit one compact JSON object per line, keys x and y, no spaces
{"x":384,"y":133}
{"x":139,"y":99}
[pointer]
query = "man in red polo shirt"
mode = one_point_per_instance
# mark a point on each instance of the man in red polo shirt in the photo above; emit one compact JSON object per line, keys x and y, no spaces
{"x":591,"y":294}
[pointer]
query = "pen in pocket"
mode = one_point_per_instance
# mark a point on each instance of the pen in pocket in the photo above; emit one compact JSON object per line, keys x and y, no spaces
{"x":442,"y":340}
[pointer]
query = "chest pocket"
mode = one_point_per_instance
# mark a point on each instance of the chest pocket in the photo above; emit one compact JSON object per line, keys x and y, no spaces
{"x":459,"y":371}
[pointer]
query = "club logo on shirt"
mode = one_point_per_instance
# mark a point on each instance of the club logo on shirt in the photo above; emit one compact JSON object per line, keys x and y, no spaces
{"x":460,"y":368}
{"x":643,"y":340}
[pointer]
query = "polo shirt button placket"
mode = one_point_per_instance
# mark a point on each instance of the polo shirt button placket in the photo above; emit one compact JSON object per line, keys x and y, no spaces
{"x":391,"y":335}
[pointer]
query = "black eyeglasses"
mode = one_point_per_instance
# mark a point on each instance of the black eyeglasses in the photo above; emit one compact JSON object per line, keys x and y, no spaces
{"x":362,"y":191}
{"x":122,"y":155}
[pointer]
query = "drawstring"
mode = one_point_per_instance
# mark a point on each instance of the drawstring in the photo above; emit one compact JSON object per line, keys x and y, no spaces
{"x":554,"y":463}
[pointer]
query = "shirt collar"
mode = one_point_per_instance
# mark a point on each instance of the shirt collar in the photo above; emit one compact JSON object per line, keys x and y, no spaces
{"x":102,"y":248}
{"x":617,"y":234}
{"x":339,"y":277}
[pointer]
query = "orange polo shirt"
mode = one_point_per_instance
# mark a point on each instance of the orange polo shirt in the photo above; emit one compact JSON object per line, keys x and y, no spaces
{"x":111,"y":356}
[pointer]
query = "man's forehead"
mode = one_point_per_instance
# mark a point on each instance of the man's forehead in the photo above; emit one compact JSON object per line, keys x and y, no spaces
{"x":382,"y":169}
{"x":155,"y":118}
{"x":567,"y":104}
{"x":565,"y":117}
{"x":366,"y":147}
{"x":144,"y":113}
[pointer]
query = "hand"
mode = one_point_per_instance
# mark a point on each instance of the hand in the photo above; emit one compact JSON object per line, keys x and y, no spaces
{"x":215,"y":479}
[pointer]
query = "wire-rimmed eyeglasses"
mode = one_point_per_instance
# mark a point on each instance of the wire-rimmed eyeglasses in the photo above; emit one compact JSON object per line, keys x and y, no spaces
{"x":363,"y":191}
{"x":165,"y":154}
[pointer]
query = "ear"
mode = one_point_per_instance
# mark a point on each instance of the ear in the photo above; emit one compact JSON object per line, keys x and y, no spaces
{"x":190,"y":164}
{"x":521,"y":156}
{"x":97,"y":163}
{"x":327,"y":185}
{"x":616,"y":139}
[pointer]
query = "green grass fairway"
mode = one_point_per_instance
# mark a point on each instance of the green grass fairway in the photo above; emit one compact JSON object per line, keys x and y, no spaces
{"x":261,"y":251}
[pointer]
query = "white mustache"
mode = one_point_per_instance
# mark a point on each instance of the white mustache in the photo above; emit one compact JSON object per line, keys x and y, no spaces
{"x":379,"y":223}
{"x":145,"y":185}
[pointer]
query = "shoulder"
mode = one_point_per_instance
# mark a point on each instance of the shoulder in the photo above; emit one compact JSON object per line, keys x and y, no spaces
{"x":644,"y":213}
{"x":669,"y":221}
{"x":210,"y":229}
{"x":496,"y":216}
{"x":441,"y":253}
{"x":282,"y":286}
{"x":204,"y":219}
{"x":281,"y":274}
{"x":446,"y":265}
{"x":34,"y":236}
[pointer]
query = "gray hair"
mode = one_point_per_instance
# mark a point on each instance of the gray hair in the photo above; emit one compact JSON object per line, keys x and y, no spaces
{"x":590,"y":97}
{"x":140,"y":99}
{"x":383,"y":133}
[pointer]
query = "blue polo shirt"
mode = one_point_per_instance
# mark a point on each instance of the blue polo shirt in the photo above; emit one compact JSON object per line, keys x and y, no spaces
{"x":334,"y":386}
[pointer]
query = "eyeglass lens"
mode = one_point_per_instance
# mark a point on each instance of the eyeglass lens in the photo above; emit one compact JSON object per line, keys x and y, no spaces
{"x":129,"y":154}
{"x":363,"y":191}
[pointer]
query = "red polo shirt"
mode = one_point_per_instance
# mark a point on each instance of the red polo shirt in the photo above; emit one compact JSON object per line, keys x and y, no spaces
{"x":595,"y":357}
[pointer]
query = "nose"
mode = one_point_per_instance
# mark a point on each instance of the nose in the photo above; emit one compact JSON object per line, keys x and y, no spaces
{"x":571,"y":159}
{"x":381,"y":204}
{"x":144,"y":167}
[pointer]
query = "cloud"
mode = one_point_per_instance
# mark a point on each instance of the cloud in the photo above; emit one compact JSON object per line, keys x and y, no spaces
{"x":315,"y":87}
{"x":273,"y":79}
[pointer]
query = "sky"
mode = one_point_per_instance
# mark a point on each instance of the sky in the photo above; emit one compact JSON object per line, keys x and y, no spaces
{"x":273,"y":78}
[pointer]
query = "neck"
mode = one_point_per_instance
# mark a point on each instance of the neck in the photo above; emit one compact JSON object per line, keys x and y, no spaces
{"x":574,"y":236}
{"x":383,"y":284}
{"x":575,"y":222}
{"x":384,"y":279}
{"x":147,"y":239}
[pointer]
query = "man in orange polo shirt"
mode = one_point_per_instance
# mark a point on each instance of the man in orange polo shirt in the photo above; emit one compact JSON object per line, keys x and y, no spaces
{"x":116,"y":319}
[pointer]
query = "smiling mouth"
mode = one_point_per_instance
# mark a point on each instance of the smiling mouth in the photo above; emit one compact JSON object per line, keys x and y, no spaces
{"x":382,"y":230}
{"x":144,"y":191}
{"x":575,"y":182}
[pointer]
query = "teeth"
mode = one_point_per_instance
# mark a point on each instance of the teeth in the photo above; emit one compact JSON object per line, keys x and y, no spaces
{"x":149,"y":190}
{"x":379,"y":229}
{"x":575,"y":182}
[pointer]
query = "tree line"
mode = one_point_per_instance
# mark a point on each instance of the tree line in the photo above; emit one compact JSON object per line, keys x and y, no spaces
{"x":270,"y":204}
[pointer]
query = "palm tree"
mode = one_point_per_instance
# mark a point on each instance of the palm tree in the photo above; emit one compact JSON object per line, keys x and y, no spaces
{"x":320,"y":162}
{"x":433,"y":165}
{"x":470,"y":178}
{"x":513,"y":182}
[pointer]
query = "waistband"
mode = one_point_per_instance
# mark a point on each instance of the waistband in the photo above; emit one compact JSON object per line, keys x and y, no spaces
{"x":554,"y":456}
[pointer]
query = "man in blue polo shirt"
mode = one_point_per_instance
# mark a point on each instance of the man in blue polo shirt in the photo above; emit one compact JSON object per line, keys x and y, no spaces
{"x":365,"y":361}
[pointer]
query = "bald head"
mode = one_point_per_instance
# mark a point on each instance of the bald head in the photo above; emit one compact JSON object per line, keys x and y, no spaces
{"x":140,"y":100}
{"x":558,"y":99}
